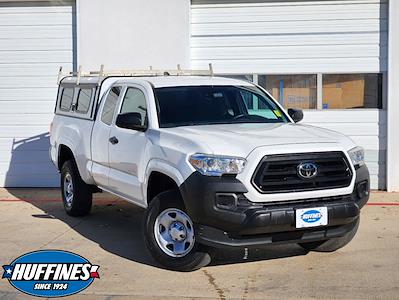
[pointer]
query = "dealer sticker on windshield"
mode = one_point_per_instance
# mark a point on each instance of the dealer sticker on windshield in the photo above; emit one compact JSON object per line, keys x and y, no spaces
{"x":311,"y":217}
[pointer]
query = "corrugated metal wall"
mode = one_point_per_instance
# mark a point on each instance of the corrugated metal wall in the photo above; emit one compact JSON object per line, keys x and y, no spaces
{"x":367,"y":128}
{"x":281,"y":37}
{"x":35,"y":39}
{"x":298,"y":37}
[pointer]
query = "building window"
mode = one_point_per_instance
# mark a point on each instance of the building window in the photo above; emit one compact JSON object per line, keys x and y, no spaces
{"x":337,"y":91}
{"x":341,"y":91}
{"x":292,"y":91}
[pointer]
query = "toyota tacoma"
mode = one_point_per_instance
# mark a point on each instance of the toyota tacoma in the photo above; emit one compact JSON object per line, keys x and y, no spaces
{"x":215,"y":162}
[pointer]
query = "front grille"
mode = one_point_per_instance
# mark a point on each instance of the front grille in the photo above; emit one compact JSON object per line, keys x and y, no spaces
{"x":279,"y":173}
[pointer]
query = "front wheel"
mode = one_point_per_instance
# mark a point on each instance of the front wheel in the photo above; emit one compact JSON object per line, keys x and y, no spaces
{"x":169,"y":234}
{"x":333,"y":244}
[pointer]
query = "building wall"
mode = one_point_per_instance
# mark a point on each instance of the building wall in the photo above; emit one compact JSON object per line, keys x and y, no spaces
{"x":393,"y":98}
{"x":133,"y":33}
{"x":36,"y":38}
{"x":366,"y":128}
{"x":138,"y":34}
{"x":283,"y":37}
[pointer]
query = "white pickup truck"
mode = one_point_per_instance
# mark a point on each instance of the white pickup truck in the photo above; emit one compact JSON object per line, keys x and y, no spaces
{"x":216,"y":162}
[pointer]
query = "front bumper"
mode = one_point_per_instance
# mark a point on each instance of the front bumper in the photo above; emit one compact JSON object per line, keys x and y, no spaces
{"x":253,"y":224}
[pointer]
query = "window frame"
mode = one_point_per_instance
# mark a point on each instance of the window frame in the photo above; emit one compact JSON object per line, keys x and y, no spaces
{"x":76,"y":104}
{"x":69,"y":110}
{"x":121,"y":94}
{"x":285,"y":116}
{"x":286,"y":100}
{"x":72,"y":111}
{"x":120,"y":103}
{"x":381,"y":102}
{"x":319,"y":87}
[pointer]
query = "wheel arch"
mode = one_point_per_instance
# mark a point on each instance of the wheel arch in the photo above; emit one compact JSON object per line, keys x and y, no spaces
{"x":159,"y":182}
{"x":65,"y":153}
{"x":160,"y":176}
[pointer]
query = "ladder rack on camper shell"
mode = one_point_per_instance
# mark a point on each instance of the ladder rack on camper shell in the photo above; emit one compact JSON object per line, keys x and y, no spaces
{"x":102,"y":74}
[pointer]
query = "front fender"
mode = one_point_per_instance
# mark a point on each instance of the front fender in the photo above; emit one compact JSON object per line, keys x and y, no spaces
{"x":164,"y":167}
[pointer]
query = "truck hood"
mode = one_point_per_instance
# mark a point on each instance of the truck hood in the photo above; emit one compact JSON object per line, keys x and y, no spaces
{"x":242,"y":139}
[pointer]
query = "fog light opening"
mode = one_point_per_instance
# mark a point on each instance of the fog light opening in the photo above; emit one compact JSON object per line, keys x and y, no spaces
{"x":226,"y":201}
{"x":362,"y":189}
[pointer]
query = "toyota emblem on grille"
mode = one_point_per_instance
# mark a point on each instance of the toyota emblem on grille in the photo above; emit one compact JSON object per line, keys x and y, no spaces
{"x":307,"y":170}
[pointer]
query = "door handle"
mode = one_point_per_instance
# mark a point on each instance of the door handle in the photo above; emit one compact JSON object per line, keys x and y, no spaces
{"x":113,"y":140}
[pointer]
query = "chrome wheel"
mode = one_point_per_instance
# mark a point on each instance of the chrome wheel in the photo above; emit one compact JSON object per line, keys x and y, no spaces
{"x":174,"y":232}
{"x":68,"y":190}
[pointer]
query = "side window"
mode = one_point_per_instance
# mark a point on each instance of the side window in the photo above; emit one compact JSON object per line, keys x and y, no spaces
{"x":84,"y":100}
{"x":256,"y":106}
{"x":66,"y":99}
{"x":110,"y":105}
{"x":134,"y":101}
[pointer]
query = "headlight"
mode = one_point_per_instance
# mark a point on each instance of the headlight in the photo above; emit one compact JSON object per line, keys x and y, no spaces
{"x":213,"y":165}
{"x":357,"y":156}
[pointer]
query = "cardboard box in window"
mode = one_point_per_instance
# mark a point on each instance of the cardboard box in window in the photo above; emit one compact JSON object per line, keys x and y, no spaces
{"x":304,"y":98}
{"x":344,"y":92}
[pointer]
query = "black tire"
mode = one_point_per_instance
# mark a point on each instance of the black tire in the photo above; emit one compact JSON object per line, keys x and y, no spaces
{"x":334,"y":244}
{"x":80,"y":203}
{"x":194,"y":259}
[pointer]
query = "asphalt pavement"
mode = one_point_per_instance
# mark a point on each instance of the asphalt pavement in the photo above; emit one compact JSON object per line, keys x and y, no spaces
{"x":368,"y":268}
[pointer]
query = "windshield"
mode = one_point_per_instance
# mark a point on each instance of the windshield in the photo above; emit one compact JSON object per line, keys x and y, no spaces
{"x":205,"y":105}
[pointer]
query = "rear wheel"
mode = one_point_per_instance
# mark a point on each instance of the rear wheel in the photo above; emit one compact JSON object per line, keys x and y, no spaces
{"x":332,"y":244}
{"x":76,"y":194}
{"x":170,"y":236}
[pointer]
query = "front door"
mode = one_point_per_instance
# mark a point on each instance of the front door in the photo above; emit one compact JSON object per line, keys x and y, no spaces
{"x":126,"y":149}
{"x":100,"y":136}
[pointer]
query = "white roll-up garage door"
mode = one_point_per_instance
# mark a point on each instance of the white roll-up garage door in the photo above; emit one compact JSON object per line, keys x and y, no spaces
{"x":35,"y":39}
{"x":301,"y":37}
{"x":289,"y":36}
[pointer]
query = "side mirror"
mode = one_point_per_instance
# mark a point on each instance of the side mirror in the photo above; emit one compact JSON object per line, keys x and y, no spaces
{"x":130,"y":120}
{"x":295,"y":114}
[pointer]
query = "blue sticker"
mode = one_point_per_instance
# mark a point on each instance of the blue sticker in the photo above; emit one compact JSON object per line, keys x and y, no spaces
{"x":311,"y":216}
{"x":50,"y":273}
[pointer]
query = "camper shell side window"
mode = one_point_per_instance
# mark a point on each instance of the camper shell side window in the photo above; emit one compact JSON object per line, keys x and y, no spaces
{"x":76,"y":100}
